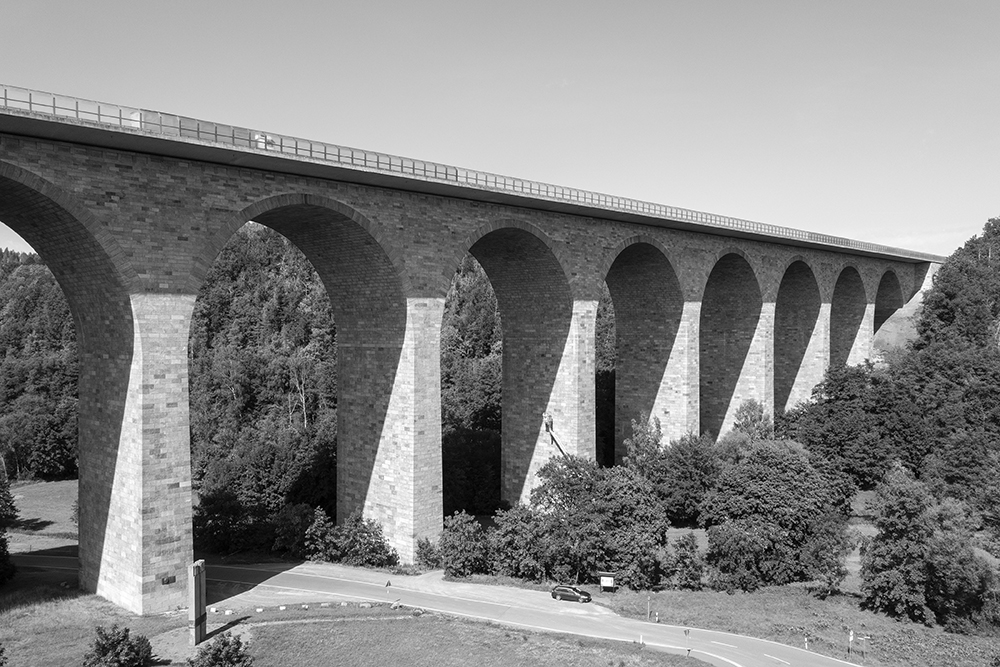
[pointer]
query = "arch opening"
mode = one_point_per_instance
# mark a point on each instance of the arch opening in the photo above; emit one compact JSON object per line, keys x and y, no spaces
{"x":847,"y":312}
{"x":730,"y":312}
{"x":539,"y":409}
{"x":646,"y":305}
{"x":471,"y":393}
{"x":263,"y":393}
{"x":796,"y":318}
{"x":888,"y":299}
{"x":313,"y":365}
{"x":93,"y":284}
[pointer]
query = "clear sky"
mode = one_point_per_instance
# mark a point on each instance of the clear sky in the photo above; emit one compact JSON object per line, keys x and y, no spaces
{"x":874,"y":120}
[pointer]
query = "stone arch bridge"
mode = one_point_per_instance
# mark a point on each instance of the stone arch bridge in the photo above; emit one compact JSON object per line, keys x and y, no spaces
{"x":129,"y":208}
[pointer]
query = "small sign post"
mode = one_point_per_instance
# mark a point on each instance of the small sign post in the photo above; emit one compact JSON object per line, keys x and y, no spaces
{"x":197,"y":619}
{"x":607,"y":580}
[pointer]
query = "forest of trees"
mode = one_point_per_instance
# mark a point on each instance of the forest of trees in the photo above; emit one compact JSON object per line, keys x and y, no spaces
{"x":920,"y":429}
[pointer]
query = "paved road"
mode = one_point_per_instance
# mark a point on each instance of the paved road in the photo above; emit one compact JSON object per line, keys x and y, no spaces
{"x":536,"y":610}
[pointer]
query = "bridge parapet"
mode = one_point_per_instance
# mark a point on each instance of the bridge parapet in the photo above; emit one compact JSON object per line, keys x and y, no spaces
{"x":63,"y":108}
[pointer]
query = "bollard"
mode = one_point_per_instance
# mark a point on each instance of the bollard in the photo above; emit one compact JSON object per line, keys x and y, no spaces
{"x":197,"y":618}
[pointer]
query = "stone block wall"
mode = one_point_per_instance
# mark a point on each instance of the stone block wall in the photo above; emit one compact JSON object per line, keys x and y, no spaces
{"x":131,"y":236}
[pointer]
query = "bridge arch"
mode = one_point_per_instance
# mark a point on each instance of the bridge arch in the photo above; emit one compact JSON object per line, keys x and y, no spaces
{"x":379,"y":335}
{"x":731,"y":366}
{"x":847,"y":314}
{"x":888,"y":298}
{"x":648,"y":306}
{"x":799,"y":344}
{"x":100,"y":286}
{"x":540,"y":394}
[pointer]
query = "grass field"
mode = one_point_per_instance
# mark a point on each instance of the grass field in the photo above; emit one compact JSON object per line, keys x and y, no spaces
{"x":43,"y":624}
{"x":47,"y":624}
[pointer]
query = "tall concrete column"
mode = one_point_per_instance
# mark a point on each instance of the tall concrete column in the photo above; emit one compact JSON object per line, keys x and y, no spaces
{"x":756,"y":379}
{"x":814,"y":363}
{"x":548,"y":395}
{"x":135,"y":466}
{"x":680,"y":398}
{"x":861,"y":349}
{"x":651,"y":354}
{"x":389,"y":433}
{"x":675,"y":402}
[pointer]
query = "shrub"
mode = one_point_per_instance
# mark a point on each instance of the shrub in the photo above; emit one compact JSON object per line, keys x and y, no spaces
{"x":319,"y":538}
{"x":746,"y":554}
{"x":223,"y":523}
{"x":958,"y":581}
{"x":825,"y":551}
{"x":116,"y":648}
{"x":291,"y":523}
{"x":518,"y":544}
{"x":7,"y":568}
{"x":225,"y":650}
{"x":692,"y":466}
{"x":3,"y":657}
{"x":8,"y":510}
{"x":428,"y":554}
{"x":463,"y":546}
{"x":359,"y":541}
{"x":688,"y":566}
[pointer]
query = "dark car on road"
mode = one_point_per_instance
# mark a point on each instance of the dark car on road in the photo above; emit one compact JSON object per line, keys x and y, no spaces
{"x":573,"y":593}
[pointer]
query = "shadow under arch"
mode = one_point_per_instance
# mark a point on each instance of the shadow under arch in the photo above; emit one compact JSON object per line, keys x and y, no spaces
{"x":536,"y":314}
{"x":367,"y":295}
{"x":847,"y":312}
{"x":730,"y":311}
{"x":648,"y":304}
{"x":795,"y":318}
{"x":95,"y":276}
{"x":888,"y":299}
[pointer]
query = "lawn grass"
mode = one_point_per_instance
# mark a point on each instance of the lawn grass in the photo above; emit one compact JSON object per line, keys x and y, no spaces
{"x":44,"y":624}
{"x":434,"y":640}
{"x":786,"y":614}
{"x":45,"y":509}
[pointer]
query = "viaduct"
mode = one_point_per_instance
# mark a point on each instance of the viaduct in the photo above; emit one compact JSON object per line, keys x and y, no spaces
{"x":129,"y":208}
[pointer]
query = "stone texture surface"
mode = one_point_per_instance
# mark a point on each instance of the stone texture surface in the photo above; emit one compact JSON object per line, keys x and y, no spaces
{"x":130,"y":237}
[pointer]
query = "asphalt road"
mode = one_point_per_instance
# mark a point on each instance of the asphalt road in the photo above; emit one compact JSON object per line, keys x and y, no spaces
{"x":534,"y":610}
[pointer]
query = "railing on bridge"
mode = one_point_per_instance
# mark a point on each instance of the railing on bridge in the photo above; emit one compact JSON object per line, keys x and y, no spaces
{"x":155,"y":122}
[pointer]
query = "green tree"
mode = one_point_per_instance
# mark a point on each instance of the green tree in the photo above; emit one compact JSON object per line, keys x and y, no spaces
{"x":8,"y":516}
{"x":464,"y":546}
{"x":894,"y":562}
{"x":688,"y":564}
{"x":519,"y":544}
{"x":752,"y":421}
{"x":860,"y":420}
{"x":600,"y":519}
{"x":962,"y":303}
{"x":692,"y":465}
{"x":764,"y":512}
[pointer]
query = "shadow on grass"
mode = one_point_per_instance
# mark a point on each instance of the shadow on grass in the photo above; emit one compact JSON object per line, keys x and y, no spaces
{"x":30,"y":524}
{"x":31,"y":587}
{"x":225,"y":628}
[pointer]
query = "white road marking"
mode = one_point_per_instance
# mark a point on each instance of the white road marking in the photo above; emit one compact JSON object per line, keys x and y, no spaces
{"x":778,"y":659}
{"x":723,"y":644}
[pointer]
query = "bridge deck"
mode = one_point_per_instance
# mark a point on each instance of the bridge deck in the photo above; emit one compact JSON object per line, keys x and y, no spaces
{"x":35,"y":113}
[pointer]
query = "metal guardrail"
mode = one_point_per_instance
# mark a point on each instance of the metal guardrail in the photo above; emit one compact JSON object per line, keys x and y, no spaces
{"x":169,"y":125}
